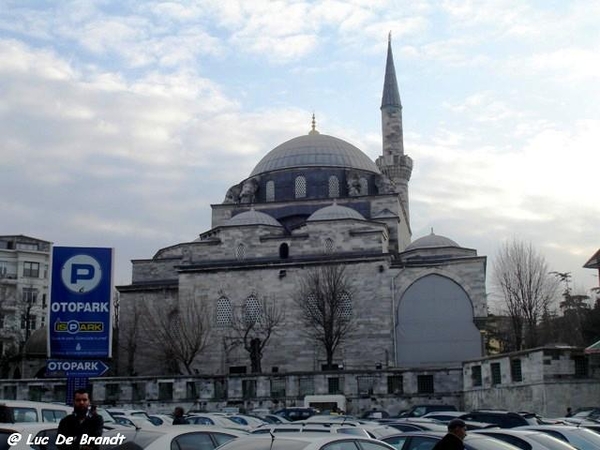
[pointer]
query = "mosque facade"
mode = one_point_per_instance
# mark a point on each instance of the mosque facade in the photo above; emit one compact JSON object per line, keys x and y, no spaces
{"x":313,"y":202}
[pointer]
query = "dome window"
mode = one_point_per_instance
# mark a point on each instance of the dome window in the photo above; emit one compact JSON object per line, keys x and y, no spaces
{"x":270,"y":191}
{"x":364,"y":186}
{"x":334,"y":186}
{"x":224,"y":312}
{"x":328,"y":246}
{"x":284,"y":251}
{"x":240,"y":252}
{"x":300,"y":187}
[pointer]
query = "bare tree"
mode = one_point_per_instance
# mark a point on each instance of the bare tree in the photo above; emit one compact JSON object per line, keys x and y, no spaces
{"x":178,"y":332}
{"x":324,"y":296}
{"x":253,"y":324}
{"x":528,"y":289}
{"x":129,"y":333}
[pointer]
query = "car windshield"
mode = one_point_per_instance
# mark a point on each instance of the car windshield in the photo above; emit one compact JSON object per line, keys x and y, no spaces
{"x":134,"y":439}
{"x":584,"y":439}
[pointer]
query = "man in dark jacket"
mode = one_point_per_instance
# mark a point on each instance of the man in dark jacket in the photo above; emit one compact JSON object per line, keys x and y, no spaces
{"x":83,"y":421}
{"x":457,"y":430}
{"x":178,"y":418}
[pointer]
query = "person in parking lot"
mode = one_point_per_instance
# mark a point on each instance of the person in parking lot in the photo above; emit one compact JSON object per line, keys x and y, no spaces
{"x":84,"y":420}
{"x":178,"y":416}
{"x":453,"y":440}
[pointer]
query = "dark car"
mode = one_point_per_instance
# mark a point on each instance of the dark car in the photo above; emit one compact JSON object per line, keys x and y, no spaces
{"x":298,"y":413}
{"x":502,"y":419}
{"x":420,"y":410}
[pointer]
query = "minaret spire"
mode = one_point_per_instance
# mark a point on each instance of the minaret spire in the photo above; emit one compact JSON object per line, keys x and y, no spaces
{"x":391,"y":95}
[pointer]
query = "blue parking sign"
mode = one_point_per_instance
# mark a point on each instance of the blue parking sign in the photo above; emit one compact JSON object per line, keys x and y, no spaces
{"x":79,"y":323}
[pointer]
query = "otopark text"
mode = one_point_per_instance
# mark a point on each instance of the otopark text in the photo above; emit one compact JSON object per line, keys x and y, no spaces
{"x":60,"y":439}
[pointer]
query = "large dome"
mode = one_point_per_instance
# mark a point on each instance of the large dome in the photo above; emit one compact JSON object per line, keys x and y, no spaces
{"x":314,"y":150}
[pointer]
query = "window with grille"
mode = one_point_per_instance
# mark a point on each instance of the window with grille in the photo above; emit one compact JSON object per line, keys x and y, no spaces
{"x":425,"y":384}
{"x":112,"y":391}
{"x":165,"y":391}
{"x":35,"y":395}
{"x":313,"y":306}
{"x":10,"y":393}
{"x":240,"y":252}
{"x":328,"y":245}
{"x":220,"y":389}
{"x":270,"y":191}
{"x":516,"y":372}
{"x":138,"y":392}
{"x":191,"y":390}
{"x":248,"y":389}
{"x":28,"y":322}
{"x":345,"y":306}
{"x":252,"y":309}
{"x":364,"y":186}
{"x":581,"y":366}
{"x":366,"y":385}
{"x":476,"y":378}
{"x":300,"y":187}
{"x":31,"y":269}
{"x":395,"y":384}
{"x":277,"y":387}
{"x":59,"y":392}
{"x":496,"y":374}
{"x":224,"y":312}
{"x":333,"y":385}
{"x":334,"y":186}
{"x":306,"y":386}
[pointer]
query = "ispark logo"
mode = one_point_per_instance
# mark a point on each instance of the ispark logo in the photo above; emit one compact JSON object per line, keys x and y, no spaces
{"x":15,"y":438}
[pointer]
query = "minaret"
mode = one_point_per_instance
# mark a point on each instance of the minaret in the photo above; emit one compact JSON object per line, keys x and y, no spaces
{"x":394,"y":163}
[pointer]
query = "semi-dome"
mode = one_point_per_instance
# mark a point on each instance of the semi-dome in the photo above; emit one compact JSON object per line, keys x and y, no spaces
{"x":37,"y":343}
{"x":315,"y":150}
{"x":252,"y":217}
{"x":432,"y":241}
{"x":335,"y":212}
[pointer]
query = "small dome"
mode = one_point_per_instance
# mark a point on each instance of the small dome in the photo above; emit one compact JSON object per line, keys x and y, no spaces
{"x":252,"y":217}
{"x":36,"y":345}
{"x":432,"y":241}
{"x":335,"y":212}
{"x":314,"y":150}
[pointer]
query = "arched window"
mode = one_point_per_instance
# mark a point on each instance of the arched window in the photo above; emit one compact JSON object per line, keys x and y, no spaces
{"x":224,"y":312}
{"x":364,"y":186}
{"x":300,"y":187}
{"x":270,"y":191}
{"x":240,"y":252}
{"x":334,"y":186}
{"x":345,"y":306}
{"x":284,"y":251}
{"x":328,"y":245}
{"x":252,"y":309}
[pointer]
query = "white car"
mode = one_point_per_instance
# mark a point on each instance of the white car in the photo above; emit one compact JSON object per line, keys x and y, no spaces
{"x":219,"y":420}
{"x":38,"y":433}
{"x":581,"y":438}
{"x":526,"y":439}
{"x":28,"y":411}
{"x":187,"y":437}
{"x":305,"y":442}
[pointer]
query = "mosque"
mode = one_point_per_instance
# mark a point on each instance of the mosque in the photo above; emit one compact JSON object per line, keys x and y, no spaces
{"x":312,"y":202}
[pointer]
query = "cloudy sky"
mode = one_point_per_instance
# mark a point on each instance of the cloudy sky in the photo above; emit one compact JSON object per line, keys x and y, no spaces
{"x":122,"y":121}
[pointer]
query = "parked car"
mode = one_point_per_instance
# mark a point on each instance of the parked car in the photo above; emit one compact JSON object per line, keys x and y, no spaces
{"x":503,"y":419}
{"x":298,"y":413}
{"x":421,"y":410}
{"x":274,"y":418}
{"x":221,"y":420}
{"x":36,"y":430}
{"x":186,"y":437}
{"x":526,"y":439}
{"x":14,"y":411}
{"x":578,"y":437}
{"x":416,"y":424}
{"x":426,"y":440}
{"x":305,"y":442}
{"x":443,"y":416}
{"x":374,"y":431}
